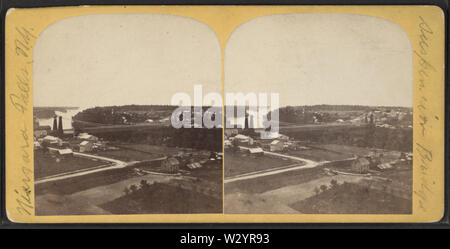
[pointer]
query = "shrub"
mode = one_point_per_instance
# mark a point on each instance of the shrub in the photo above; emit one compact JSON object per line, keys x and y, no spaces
{"x":333,"y":183}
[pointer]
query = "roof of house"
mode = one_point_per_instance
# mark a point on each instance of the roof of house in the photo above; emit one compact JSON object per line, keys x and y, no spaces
{"x":384,"y":166}
{"x":256,"y":150}
{"x":240,"y":136}
{"x":86,"y":136}
{"x":65,"y":151}
{"x":274,"y":142}
{"x":52,"y":138}
{"x":194,"y":165}
{"x":85,"y":143}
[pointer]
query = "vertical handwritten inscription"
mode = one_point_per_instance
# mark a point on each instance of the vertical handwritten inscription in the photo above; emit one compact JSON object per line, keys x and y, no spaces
{"x":19,"y":98}
{"x":425,"y":113}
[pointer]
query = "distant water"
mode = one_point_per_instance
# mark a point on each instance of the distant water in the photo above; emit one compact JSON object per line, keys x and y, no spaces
{"x":66,"y":118}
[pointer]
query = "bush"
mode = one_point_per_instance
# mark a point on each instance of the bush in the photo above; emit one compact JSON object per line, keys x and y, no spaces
{"x":333,"y":183}
{"x":324,"y":188}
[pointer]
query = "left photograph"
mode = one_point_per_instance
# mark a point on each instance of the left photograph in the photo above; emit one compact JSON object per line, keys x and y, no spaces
{"x":104,"y":139}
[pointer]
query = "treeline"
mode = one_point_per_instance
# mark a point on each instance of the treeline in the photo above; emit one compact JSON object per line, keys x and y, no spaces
{"x":346,"y":108}
{"x":332,"y":113}
{"x":128,"y":114}
{"x":196,"y":138}
{"x":369,"y":136}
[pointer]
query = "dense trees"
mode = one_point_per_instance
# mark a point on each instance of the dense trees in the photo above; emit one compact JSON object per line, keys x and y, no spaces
{"x":399,"y":139}
{"x":332,"y":113}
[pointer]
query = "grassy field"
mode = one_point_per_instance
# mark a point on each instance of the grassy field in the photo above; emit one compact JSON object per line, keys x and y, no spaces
{"x":161,"y":198}
{"x":48,"y":165}
{"x":80,"y":183}
{"x":344,"y":149}
{"x":319,"y":155}
{"x":149,"y":148}
{"x":267,"y":183}
{"x":237,"y":163}
{"x":349,"y":198}
{"x":214,"y":175}
{"x":127,"y":155}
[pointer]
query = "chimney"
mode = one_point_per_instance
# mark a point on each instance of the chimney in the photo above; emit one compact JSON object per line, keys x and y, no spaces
{"x":60,"y":126}
{"x":55,"y":126}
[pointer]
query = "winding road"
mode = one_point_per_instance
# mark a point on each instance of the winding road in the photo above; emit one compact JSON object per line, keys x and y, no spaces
{"x":116,"y":164}
{"x":308,"y":164}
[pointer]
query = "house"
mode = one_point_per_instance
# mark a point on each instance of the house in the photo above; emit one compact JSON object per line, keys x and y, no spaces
{"x":276,"y":145}
{"x":195,"y":165}
{"x":52,"y":140}
{"x":241,"y":137}
{"x":256,"y":151}
{"x":99,"y":145}
{"x":86,"y":146}
{"x":384,"y":166}
{"x":65,"y":153}
{"x":231,"y":132}
{"x":243,"y":140}
{"x":227,"y":144}
{"x":37,"y":145}
{"x":361,"y":165}
{"x":170,"y":165}
{"x":42,"y":131}
{"x":86,"y":136}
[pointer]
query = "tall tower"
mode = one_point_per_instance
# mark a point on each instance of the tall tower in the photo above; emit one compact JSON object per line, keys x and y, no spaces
{"x":246,"y":118}
{"x":55,"y":125}
{"x":60,"y":126}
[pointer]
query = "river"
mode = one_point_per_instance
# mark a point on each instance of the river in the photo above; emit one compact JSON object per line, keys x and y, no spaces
{"x":66,"y":118}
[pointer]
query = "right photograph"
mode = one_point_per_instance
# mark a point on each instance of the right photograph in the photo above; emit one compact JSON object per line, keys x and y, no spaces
{"x":337,"y":90}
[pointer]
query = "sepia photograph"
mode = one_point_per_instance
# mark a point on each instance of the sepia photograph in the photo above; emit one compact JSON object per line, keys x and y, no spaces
{"x":104,"y":141}
{"x":215,"y":114}
{"x":344,"y":141}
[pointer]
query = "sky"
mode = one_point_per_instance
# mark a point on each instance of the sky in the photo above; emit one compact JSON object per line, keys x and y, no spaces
{"x":321,"y":59}
{"x":117,"y":59}
{"x":308,"y":59}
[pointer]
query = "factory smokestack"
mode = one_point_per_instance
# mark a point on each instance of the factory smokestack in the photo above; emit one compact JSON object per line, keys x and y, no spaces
{"x":55,"y":126}
{"x":60,"y":126}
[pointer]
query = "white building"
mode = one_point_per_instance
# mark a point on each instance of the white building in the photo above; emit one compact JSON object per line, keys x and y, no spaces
{"x":256,"y":151}
{"x":86,"y":136}
{"x":86,"y":146}
{"x":52,"y":140}
{"x":243,"y":140}
{"x":276,"y":145}
{"x":65,"y":152}
{"x":42,"y":131}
